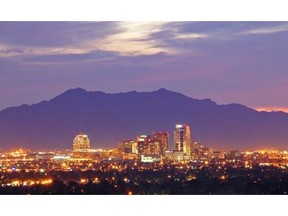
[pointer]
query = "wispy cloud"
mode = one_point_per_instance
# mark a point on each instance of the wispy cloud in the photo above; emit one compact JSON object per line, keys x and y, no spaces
{"x":54,"y":34}
{"x":266,"y":30}
{"x":125,"y":38}
{"x":132,"y":40}
{"x":62,"y":57}
{"x":69,"y":40}
{"x":191,"y":36}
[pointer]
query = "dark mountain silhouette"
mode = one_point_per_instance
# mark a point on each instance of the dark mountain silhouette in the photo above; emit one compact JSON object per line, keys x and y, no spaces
{"x":109,"y":118}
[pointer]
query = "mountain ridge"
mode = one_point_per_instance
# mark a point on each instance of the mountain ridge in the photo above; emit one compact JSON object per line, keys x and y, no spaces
{"x":110,"y":117}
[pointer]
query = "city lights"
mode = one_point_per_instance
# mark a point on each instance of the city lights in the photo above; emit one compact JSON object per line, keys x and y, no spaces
{"x":145,"y":160}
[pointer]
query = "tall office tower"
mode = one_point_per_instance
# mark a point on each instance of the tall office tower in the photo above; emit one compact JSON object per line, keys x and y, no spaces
{"x":163,"y":139}
{"x":143,"y":144}
{"x":182,"y":138}
{"x":81,"y":143}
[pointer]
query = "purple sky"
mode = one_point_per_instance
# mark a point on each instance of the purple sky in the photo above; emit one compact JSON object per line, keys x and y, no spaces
{"x":243,"y":62}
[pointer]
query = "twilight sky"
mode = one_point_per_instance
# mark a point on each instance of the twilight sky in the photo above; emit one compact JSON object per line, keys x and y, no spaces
{"x":243,"y":62}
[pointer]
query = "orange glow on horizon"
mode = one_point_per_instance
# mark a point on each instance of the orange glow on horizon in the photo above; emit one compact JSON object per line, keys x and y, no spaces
{"x":272,"y":109}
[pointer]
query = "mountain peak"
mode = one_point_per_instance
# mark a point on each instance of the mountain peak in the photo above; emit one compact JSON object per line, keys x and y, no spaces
{"x":162,"y":90}
{"x":166,"y":91}
{"x":75,"y":90}
{"x":69,"y":94}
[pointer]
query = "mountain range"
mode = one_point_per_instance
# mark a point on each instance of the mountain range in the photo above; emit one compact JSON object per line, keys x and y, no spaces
{"x":109,"y":118}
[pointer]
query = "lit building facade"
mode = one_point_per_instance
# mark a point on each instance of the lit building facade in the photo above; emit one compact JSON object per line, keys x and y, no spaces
{"x":81,"y":143}
{"x":162,"y":138}
{"x":150,"y":158}
{"x":143,"y":144}
{"x":129,"y":146}
{"x":182,"y":138}
{"x":146,"y":145}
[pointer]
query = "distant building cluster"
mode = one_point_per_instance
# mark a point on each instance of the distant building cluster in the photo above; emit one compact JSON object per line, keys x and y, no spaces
{"x":150,"y":148}
{"x":156,"y":147}
{"x":146,"y":144}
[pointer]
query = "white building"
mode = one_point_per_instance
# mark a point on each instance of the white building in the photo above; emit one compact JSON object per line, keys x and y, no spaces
{"x":81,"y":143}
{"x":182,"y":138}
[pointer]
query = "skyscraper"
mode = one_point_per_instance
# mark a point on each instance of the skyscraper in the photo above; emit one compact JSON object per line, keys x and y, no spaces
{"x":143,"y":143}
{"x":163,"y":139}
{"x":81,"y":143}
{"x":182,"y":138}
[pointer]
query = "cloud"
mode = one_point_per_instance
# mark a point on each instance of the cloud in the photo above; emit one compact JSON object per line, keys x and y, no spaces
{"x":93,"y":55}
{"x":127,"y":38}
{"x":133,"y":39}
{"x":53,"y":34}
{"x":50,"y":38}
{"x":53,"y":38}
{"x":191,"y":36}
{"x":267,"y":30}
{"x":11,"y":52}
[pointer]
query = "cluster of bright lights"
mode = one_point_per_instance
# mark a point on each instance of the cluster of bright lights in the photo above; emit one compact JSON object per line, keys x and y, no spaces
{"x":17,"y":182}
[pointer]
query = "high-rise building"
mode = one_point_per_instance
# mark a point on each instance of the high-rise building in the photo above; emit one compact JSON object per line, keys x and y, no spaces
{"x":128,"y":146}
{"x":146,"y":145}
{"x":162,"y":138}
{"x":134,"y":147}
{"x":143,"y":143}
{"x":182,"y":138}
{"x":81,"y":143}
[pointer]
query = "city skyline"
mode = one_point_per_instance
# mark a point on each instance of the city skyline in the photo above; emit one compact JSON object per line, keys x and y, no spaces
{"x":147,"y":171}
{"x":229,"y":62}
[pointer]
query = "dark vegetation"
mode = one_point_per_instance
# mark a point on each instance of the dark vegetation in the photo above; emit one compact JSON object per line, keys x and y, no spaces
{"x":259,"y":180}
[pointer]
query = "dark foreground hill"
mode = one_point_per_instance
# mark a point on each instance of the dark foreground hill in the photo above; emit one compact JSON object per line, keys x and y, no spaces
{"x":109,"y":118}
